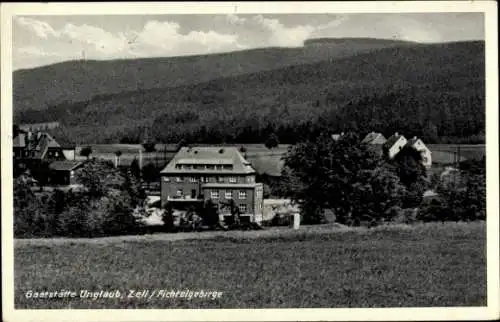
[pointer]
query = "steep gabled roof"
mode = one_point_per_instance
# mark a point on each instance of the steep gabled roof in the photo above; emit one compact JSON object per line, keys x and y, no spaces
{"x":64,"y":165}
{"x":374,"y":138}
{"x":209,"y":156}
{"x":412,"y":141}
{"x":392,"y":140}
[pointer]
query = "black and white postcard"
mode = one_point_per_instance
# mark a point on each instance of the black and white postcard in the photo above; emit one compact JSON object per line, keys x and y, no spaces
{"x":250,"y":161}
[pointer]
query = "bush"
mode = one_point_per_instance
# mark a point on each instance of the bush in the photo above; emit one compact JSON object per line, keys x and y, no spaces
{"x":106,"y":206}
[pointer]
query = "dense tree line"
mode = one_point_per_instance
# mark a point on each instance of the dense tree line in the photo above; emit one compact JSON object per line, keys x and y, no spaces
{"x":435,"y":92}
{"x":435,"y":119}
{"x":362,"y":187}
{"x":108,"y":204}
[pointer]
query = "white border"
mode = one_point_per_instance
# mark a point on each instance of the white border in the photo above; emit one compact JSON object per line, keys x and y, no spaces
{"x":489,"y":8}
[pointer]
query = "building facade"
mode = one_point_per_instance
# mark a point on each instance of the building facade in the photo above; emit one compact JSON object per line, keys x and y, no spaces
{"x":419,"y":146}
{"x":219,"y":174}
{"x":394,"y":144}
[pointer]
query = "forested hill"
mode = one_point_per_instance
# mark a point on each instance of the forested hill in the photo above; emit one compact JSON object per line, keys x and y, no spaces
{"x":46,"y":86}
{"x":434,"y":90}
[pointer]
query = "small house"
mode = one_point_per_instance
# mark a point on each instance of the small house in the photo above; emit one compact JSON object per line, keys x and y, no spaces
{"x":374,"y":142}
{"x":63,"y":172}
{"x":394,"y":144}
{"x":419,"y":146}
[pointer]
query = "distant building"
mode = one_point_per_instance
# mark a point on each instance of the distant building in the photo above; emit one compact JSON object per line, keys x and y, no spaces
{"x":63,"y":172}
{"x":397,"y":142}
{"x":36,"y":127}
{"x":197,"y":174}
{"x":393,"y":145}
{"x":337,"y":137}
{"x":419,"y":146}
{"x":374,"y":138}
{"x":40,"y":146}
{"x":31,"y":149}
{"x":375,"y":142}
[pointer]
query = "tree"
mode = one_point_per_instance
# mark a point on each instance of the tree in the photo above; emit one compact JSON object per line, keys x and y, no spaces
{"x":150,"y":172}
{"x":135,"y":169}
{"x":234,"y":220}
{"x":272,"y":141}
{"x":412,"y":174}
{"x":210,"y":214}
{"x":149,"y":147}
{"x":322,"y":174}
{"x":41,"y":172}
{"x":168,"y":217}
{"x":86,"y":152}
{"x":27,"y":210}
{"x":118,"y":154}
{"x":378,"y":195}
{"x":99,"y":178}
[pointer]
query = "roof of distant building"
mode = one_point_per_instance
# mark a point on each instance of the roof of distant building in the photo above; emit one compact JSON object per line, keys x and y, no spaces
{"x":209,"y":156}
{"x":374,"y":138}
{"x":392,"y":140}
{"x":64,"y":165}
{"x":412,"y":141}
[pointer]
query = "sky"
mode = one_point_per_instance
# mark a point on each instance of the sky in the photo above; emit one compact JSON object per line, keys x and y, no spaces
{"x":43,"y":40}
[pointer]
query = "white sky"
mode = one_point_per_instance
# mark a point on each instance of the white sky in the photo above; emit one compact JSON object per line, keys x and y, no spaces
{"x":42,"y":40}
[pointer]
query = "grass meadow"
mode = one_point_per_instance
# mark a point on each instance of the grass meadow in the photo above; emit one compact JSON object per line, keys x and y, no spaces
{"x":439,"y":264}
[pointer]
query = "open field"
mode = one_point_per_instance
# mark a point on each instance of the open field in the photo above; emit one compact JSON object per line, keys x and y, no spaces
{"x":321,"y":266}
{"x":265,"y":160}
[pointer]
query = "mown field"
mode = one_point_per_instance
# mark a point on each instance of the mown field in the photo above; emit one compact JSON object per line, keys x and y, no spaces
{"x":399,"y":266}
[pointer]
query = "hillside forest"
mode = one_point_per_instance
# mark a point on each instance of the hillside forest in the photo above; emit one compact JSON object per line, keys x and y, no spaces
{"x":434,"y":91}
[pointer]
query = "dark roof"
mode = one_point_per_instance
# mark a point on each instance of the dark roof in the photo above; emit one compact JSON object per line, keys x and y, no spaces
{"x":393,"y":139}
{"x":64,"y":165}
{"x":412,"y":141}
{"x":209,"y":155}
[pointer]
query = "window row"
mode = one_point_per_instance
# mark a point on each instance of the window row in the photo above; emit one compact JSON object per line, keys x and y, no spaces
{"x":228,"y":194}
{"x":207,"y":179}
{"x":204,"y":166}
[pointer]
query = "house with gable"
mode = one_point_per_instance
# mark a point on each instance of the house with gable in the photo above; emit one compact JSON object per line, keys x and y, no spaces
{"x":419,"y":146}
{"x":375,"y":142}
{"x":393,"y":145}
{"x":397,"y":142}
{"x":33,"y":149}
{"x":219,"y":174}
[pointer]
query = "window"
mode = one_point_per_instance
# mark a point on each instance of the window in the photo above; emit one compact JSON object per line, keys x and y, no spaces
{"x":210,"y":167}
{"x":242,"y":194}
{"x":229,"y":194}
{"x":250,"y":179}
{"x":220,"y":179}
{"x":232,"y":179}
{"x":243,"y":208}
{"x":166,"y":179}
{"x":193,"y":179}
{"x":178,"y":179}
{"x":179,"y":192}
{"x":214,"y":194}
{"x":56,"y":154}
